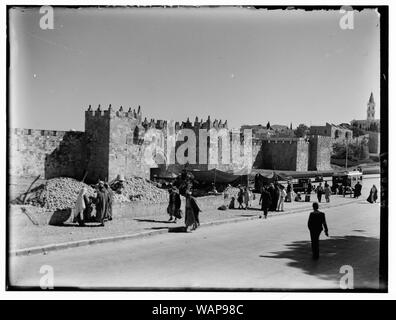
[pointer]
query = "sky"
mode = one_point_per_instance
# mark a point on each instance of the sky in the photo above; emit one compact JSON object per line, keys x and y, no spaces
{"x":243,"y":65}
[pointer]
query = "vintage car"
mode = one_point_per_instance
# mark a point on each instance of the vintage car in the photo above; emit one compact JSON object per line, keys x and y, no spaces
{"x":347,"y":180}
{"x":319,"y":178}
{"x":301,"y":185}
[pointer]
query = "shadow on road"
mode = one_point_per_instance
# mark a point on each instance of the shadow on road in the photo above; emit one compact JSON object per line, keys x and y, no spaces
{"x":76,"y":225}
{"x":170,"y":229}
{"x":359,"y":252}
{"x":152,"y":220}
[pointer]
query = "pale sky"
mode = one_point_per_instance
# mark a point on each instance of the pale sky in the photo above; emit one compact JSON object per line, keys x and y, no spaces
{"x":244,"y":65}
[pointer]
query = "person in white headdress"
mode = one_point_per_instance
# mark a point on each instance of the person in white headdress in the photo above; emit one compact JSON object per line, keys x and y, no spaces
{"x":80,"y":206}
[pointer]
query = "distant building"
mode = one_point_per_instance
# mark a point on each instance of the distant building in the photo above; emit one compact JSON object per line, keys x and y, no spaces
{"x":370,"y":124}
{"x":293,"y":154}
{"x":338,"y":133}
{"x":259,"y":131}
{"x":262,"y":132}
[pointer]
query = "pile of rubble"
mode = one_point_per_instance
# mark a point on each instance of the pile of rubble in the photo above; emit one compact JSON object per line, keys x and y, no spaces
{"x":139,"y":189}
{"x":57,"y":193}
{"x":61,"y":193}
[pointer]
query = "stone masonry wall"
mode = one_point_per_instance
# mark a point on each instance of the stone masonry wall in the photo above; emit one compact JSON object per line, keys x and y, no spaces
{"x":97,"y":128}
{"x":47,"y":153}
{"x":126,"y":148}
{"x":281,"y":154}
{"x":284,"y":154}
{"x":302,"y":155}
{"x":320,"y":148}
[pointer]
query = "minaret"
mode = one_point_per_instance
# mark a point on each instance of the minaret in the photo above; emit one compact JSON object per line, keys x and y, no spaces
{"x":371,"y":108}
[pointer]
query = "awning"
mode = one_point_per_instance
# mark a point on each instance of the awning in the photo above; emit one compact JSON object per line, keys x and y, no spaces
{"x":271,"y":174}
{"x":214,"y":175}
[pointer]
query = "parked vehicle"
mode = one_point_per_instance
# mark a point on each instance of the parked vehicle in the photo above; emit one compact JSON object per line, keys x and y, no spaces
{"x":319,"y":178}
{"x":301,"y":185}
{"x":347,"y":180}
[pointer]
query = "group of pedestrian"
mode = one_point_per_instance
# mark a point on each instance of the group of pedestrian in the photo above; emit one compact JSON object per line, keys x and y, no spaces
{"x":272,"y":198}
{"x":192,"y":209}
{"x":103,"y":202}
{"x":326,"y":191}
{"x":244,"y":197}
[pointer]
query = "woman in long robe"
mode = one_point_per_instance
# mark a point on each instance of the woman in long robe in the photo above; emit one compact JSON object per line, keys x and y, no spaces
{"x":289,"y":191}
{"x":276,"y":197}
{"x":101,"y":204}
{"x":174,"y":205}
{"x":192,"y":212}
{"x":82,"y":203}
{"x":372,"y":198}
{"x":357,"y":191}
{"x":265,"y":201}
{"x":110,"y":197}
{"x":240,"y":198}
{"x":246,"y":197}
{"x":327,"y":192}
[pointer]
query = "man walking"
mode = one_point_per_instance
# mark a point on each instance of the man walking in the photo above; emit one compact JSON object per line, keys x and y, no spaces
{"x":316,"y":223}
{"x":327,"y":192}
{"x":265,"y":201}
{"x":282,"y":197}
{"x":319,"y":192}
{"x":358,"y":190}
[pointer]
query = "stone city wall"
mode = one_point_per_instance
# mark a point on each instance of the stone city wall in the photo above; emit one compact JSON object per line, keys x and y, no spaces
{"x":47,"y":153}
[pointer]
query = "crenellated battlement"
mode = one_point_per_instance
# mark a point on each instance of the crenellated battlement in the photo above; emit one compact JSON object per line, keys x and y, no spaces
{"x":285,"y":140}
{"x":111,"y":112}
{"x":40,"y":132}
{"x":129,"y":114}
{"x":208,"y":124}
{"x":113,"y":143}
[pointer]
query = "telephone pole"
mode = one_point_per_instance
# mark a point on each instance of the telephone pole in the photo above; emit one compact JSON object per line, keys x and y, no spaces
{"x":346,"y":156}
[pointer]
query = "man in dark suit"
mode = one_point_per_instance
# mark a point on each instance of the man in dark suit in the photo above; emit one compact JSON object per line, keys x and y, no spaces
{"x":316,"y":223}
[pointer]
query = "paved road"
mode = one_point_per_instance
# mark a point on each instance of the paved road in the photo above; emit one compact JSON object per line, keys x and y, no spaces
{"x":258,"y":254}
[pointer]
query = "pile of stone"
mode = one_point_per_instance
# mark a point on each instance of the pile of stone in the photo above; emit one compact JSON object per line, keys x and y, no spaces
{"x":61,"y":193}
{"x":57,"y":194}
{"x":139,"y":189}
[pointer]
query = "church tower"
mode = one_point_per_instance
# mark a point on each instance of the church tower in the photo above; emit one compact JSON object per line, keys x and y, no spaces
{"x":371,"y":108}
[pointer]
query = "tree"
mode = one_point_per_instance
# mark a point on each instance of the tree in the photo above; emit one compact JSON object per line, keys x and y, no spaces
{"x":268,"y":125}
{"x":301,"y":131}
{"x":355,"y":150}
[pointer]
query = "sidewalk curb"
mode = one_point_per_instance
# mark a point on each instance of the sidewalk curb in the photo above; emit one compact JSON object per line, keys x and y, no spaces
{"x":81,"y":243}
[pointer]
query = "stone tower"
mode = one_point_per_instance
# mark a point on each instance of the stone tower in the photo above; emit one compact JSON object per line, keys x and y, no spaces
{"x":371,"y":108}
{"x":115,"y":144}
